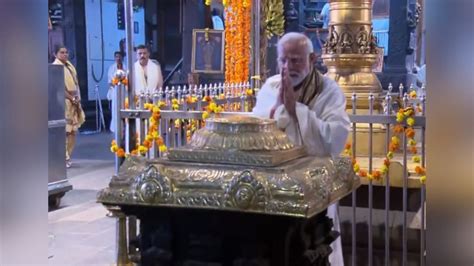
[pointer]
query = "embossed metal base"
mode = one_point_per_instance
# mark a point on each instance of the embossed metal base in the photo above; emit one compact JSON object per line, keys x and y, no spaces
{"x":251,"y":158}
{"x":300,"y":188}
{"x":222,"y":169}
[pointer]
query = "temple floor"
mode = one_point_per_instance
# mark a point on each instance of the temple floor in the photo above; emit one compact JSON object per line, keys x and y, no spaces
{"x":79,"y":231}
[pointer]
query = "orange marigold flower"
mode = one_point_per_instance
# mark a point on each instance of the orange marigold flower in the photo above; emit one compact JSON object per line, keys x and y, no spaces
{"x":413,"y":150}
{"x":398,"y":129}
{"x":159,"y":141}
{"x":392,"y":147}
{"x":348,"y":146}
{"x":125,"y":81}
{"x":147,"y":144}
{"x":115,"y":81}
{"x":410,"y":132}
{"x":121,"y":153}
{"x":207,"y":98}
{"x":377,"y":175}
{"x":386,"y":162}
{"x":420,"y":170}
{"x":134,"y":152}
{"x":362,"y":173}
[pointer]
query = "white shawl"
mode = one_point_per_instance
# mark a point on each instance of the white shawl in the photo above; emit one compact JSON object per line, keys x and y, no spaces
{"x":322,"y":129}
{"x":153,"y":81}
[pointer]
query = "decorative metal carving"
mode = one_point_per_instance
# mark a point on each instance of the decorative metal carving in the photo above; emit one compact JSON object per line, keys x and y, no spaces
{"x":350,"y":58}
{"x":153,"y":187}
{"x":346,"y":42}
{"x":363,"y":41}
{"x":302,"y":186}
{"x":373,"y":41}
{"x":246,"y":192}
{"x":330,"y":47}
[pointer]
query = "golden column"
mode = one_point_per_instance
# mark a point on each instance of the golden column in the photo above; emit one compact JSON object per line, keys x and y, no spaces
{"x":349,"y":53}
{"x":350,"y":50}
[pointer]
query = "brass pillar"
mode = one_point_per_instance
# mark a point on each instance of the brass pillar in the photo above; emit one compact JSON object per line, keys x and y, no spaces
{"x":349,"y":53}
{"x":350,"y":50}
{"x":121,"y":236}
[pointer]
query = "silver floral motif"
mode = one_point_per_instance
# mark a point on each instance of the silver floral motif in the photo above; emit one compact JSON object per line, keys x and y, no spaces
{"x":153,"y":187}
{"x":246,"y":192}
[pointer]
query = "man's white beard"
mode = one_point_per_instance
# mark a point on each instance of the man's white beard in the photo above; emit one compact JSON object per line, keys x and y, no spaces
{"x":297,"y":81}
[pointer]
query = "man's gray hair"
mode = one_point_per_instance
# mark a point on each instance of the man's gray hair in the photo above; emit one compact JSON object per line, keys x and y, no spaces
{"x":296,"y":37}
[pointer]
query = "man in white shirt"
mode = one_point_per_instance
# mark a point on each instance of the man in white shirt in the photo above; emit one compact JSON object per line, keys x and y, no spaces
{"x":118,"y":56}
{"x":308,"y":106}
{"x":148,"y":76}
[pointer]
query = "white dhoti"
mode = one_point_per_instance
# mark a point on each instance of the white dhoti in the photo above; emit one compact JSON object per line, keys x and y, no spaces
{"x":322,"y":127}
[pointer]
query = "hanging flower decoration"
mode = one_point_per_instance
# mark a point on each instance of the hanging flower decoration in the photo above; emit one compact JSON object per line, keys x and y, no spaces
{"x":237,"y":40}
{"x":403,"y":115}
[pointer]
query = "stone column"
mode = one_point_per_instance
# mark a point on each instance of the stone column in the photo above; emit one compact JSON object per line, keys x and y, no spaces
{"x":399,"y":63}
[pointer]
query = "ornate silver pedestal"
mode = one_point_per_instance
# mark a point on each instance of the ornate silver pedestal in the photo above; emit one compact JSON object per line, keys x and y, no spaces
{"x":242,"y":165}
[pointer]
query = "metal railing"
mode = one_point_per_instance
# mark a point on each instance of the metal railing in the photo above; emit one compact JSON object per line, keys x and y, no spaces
{"x":237,"y":99}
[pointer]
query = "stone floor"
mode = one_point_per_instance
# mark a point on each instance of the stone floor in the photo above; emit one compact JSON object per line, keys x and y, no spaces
{"x":79,"y":231}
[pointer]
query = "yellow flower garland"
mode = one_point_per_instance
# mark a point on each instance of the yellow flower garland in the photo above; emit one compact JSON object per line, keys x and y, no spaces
{"x":404,"y":114}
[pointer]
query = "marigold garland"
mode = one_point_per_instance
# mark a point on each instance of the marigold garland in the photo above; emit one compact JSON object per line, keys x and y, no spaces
{"x":237,"y":40}
{"x":403,"y":115}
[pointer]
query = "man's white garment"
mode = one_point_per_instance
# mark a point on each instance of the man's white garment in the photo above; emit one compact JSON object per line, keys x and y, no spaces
{"x":322,"y":129}
{"x":111,"y":92}
{"x":149,"y":83}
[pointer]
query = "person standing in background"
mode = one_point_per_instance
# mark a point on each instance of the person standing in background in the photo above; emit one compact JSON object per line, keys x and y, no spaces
{"x":118,"y":65}
{"x":74,"y":114}
{"x":148,"y":76}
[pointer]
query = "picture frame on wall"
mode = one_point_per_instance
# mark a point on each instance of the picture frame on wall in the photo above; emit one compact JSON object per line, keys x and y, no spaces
{"x":207,"y":54}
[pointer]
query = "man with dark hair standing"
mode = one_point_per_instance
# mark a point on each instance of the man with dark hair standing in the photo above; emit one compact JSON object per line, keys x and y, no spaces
{"x":148,"y":77}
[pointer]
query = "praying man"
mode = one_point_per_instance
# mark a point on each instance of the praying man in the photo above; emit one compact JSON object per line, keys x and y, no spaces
{"x":309,"y":107}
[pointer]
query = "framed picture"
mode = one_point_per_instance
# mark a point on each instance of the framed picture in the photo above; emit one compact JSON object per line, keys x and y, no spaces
{"x":207,"y":51}
{"x":378,"y":66}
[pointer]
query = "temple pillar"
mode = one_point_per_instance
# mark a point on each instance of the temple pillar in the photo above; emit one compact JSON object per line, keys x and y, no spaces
{"x":400,"y":61}
{"x":349,"y":54}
